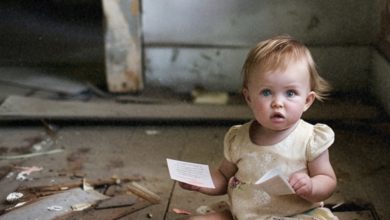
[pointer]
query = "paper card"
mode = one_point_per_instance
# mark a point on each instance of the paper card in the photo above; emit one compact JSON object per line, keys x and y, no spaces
{"x":273,"y":182}
{"x":191,"y":173}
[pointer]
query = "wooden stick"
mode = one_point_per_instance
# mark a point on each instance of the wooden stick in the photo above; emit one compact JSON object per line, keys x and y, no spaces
{"x":144,"y":193}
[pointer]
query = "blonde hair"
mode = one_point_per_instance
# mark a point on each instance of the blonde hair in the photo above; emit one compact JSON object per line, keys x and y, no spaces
{"x":276,"y":53}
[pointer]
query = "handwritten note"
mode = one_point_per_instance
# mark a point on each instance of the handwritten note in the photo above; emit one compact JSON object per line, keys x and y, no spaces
{"x":191,"y":173}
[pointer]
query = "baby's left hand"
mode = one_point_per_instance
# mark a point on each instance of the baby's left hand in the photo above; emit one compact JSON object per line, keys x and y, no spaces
{"x":302,"y":184}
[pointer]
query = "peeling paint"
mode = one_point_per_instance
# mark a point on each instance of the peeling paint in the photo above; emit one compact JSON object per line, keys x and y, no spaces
{"x":134,"y":79}
{"x":206,"y":57}
{"x":175,"y":54}
{"x":134,"y":7}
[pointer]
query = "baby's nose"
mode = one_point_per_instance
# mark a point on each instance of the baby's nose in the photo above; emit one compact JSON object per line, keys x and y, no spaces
{"x":277,"y":103}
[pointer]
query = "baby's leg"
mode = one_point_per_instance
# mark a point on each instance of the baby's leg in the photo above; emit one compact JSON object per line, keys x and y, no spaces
{"x":225,"y":215}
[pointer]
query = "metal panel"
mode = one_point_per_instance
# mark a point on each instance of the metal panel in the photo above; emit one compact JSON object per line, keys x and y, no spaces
{"x":182,"y":69}
{"x":243,"y":22}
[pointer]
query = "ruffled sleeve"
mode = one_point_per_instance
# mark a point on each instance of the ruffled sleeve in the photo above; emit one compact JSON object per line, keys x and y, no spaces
{"x":228,"y":146}
{"x":321,"y":139}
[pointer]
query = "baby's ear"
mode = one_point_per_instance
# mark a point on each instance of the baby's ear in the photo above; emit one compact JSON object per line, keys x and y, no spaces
{"x":309,"y":100}
{"x":245,"y":93}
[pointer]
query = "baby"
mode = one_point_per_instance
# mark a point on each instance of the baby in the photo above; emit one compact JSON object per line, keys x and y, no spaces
{"x":280,"y":82}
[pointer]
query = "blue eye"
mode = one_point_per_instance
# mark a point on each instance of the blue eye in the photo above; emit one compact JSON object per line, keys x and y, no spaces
{"x":266,"y":92}
{"x":290,"y":93}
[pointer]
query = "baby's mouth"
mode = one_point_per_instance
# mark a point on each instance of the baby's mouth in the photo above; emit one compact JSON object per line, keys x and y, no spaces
{"x":277,"y":116}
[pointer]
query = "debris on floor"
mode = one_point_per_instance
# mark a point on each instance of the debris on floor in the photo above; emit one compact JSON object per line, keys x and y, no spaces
{"x":181,"y":211}
{"x":202,"y":96}
{"x":26,"y":171}
{"x":43,"y":144}
{"x":152,"y":132}
{"x":75,"y":174}
{"x":144,"y":193}
{"x":67,"y":198}
{"x":24,"y":156}
{"x":116,"y":202}
{"x":52,"y":206}
{"x":14,"y":197}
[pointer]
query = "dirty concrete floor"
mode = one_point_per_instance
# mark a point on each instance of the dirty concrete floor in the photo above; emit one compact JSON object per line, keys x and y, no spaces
{"x":360,"y":157}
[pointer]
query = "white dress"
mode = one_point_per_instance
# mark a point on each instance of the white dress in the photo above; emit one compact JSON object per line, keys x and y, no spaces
{"x":249,"y":201}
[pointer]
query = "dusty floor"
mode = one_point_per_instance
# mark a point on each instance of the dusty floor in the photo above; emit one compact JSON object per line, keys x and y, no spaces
{"x":360,"y":157}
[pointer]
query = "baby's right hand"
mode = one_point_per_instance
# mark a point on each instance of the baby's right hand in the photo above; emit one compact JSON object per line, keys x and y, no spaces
{"x":190,"y":187}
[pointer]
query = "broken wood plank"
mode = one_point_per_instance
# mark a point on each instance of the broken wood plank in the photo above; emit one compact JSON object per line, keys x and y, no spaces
{"x":25,"y":108}
{"x":18,"y":108}
{"x":117,"y":201}
{"x":144,"y":193}
{"x":123,"y":45}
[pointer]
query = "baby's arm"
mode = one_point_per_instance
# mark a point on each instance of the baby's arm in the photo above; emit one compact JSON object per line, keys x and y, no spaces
{"x":319,"y":184}
{"x":220,"y":178}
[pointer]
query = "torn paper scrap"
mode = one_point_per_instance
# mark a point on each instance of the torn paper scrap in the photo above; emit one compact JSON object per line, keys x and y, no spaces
{"x":273,"y":182}
{"x":191,"y":173}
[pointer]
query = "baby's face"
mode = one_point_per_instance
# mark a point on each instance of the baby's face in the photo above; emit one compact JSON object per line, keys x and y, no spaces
{"x":278,"y":98}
